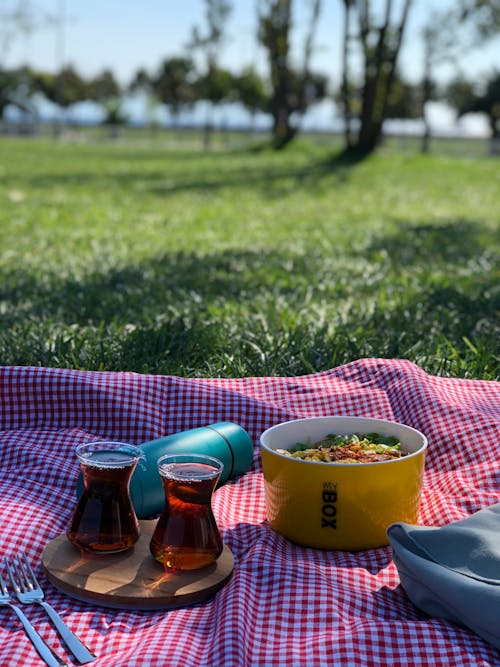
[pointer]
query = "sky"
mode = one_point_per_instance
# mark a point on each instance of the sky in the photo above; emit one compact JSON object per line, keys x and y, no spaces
{"x":125,"y":35}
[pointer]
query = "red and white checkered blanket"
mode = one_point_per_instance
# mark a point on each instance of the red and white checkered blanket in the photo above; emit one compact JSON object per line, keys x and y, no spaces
{"x":284,"y":605}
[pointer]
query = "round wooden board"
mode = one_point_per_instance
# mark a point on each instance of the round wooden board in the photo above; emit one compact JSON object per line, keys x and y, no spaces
{"x":131,"y":579}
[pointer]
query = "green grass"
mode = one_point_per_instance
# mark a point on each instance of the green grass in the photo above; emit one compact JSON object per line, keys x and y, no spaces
{"x":131,"y":256}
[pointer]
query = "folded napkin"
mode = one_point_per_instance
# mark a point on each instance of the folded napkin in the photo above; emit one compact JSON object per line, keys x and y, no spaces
{"x":453,"y":572}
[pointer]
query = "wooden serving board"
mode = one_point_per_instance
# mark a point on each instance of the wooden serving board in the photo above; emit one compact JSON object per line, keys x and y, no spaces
{"x":131,"y":579}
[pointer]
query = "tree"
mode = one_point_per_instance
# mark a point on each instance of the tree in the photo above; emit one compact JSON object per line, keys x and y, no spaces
{"x":249,"y":89}
{"x":466,"y":98}
{"x":459,"y":94}
{"x":449,"y":34}
{"x":19,"y":18}
{"x":106,"y":91}
{"x":173,"y":84}
{"x":215,"y":85}
{"x":104,"y":87}
{"x":380,"y":39}
{"x":274,"y":34}
{"x":293,"y":89}
{"x":217,"y":13}
{"x":346,"y":87}
{"x":65,"y":88}
{"x":439,"y":45}
{"x":142,"y":83}
{"x":404,"y":100}
{"x":212,"y":84}
{"x":484,"y":15}
{"x":115,"y":116}
{"x":16,"y":87}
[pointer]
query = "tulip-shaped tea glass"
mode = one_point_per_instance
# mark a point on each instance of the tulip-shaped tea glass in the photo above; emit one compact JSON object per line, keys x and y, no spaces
{"x":104,"y":520}
{"x":186,"y":536}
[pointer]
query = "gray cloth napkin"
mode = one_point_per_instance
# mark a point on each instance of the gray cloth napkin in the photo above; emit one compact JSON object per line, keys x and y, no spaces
{"x":453,"y":572}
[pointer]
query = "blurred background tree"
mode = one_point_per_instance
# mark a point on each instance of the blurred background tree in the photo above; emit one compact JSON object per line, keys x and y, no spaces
{"x":484,"y":15}
{"x":18,"y":19}
{"x":16,"y":89}
{"x":214,"y":83}
{"x":213,"y":86}
{"x":174,"y":84}
{"x":438,"y":46}
{"x":250,"y":89}
{"x":64,"y":88}
{"x":17,"y":85}
{"x":293,"y":89}
{"x":379,"y":36}
{"x":483,"y":97}
{"x":104,"y":87}
{"x":468,"y":25}
{"x":105,"y":90}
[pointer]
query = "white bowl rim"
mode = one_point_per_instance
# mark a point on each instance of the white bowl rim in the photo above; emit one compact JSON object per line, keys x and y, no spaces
{"x":353,"y":418}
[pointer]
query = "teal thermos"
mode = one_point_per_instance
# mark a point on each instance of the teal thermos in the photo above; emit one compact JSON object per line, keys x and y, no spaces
{"x":227,"y":441}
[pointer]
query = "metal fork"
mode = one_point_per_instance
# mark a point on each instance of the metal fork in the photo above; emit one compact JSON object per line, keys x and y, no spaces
{"x":28,"y":591}
{"x":44,"y":650}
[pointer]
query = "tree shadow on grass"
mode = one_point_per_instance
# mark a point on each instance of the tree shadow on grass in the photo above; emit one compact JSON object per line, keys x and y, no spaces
{"x":453,"y":262}
{"x":186,"y":311}
{"x":155,"y":286}
{"x":165,"y":282}
{"x":212,"y":174}
{"x":428,"y":243}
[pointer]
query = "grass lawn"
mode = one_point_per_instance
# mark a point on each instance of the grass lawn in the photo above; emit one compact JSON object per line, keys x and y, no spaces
{"x":234,"y":263}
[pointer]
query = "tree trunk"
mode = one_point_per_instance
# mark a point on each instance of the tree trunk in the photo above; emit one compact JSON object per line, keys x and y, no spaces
{"x":425,"y":146}
{"x":426,"y":91}
{"x":495,"y":136}
{"x":278,"y":45}
{"x":379,"y":66}
{"x":372,"y":102}
{"x":283,"y":132}
{"x":346,"y":103}
{"x":287,"y":97}
{"x":207,"y":130}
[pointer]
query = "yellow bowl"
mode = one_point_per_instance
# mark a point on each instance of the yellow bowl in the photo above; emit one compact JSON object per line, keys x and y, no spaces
{"x":340,"y":505}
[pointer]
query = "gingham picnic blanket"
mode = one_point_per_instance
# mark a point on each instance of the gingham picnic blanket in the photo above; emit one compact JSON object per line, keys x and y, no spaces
{"x":285,"y":604}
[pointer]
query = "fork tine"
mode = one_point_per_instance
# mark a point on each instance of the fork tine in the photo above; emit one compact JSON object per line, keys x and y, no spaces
{"x":31,"y":579}
{"x":14,"y":576}
{"x":11,"y":574}
{"x":3,"y":587}
{"x":22,"y":578}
